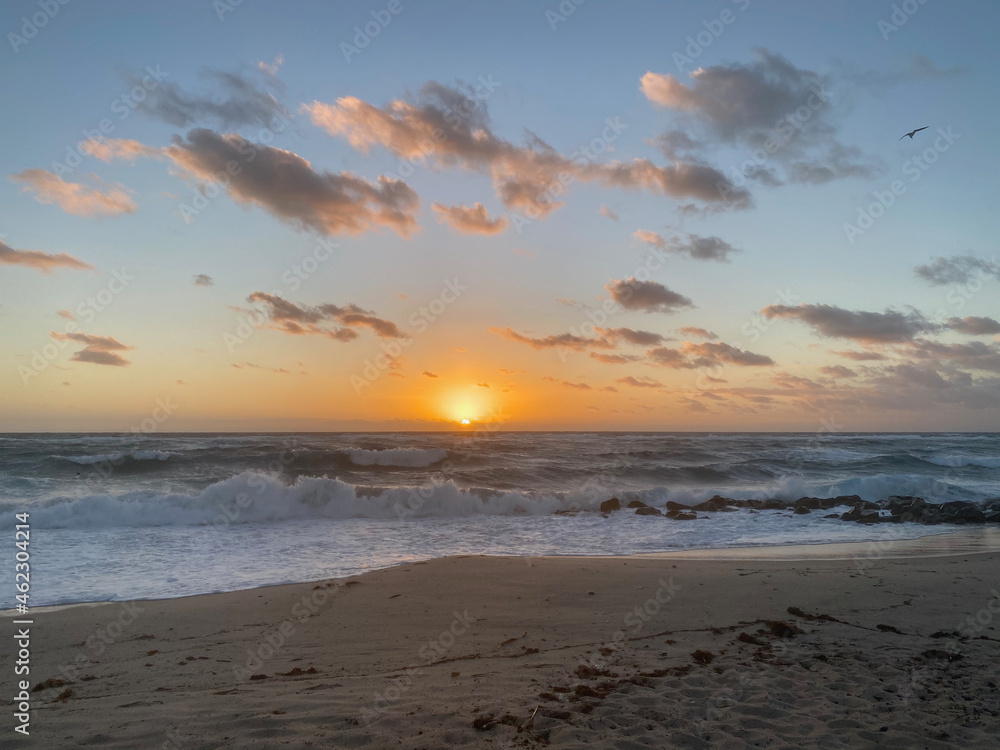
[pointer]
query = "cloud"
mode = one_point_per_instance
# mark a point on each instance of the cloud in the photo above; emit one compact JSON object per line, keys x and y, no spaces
{"x":452,"y":131}
{"x":838,"y":371}
{"x":73,"y":197}
{"x":766,"y":103}
{"x":303,"y":320}
{"x":699,"y":332}
{"x":511,"y":372}
{"x":251,"y":365}
{"x":272,"y":68}
{"x":44,"y":262}
{"x":610,"y":389}
{"x":286,"y":186}
{"x":66,"y":314}
{"x":641,"y":382}
{"x":429,"y":374}
{"x":975,"y":355}
{"x":691,"y":356}
{"x":562,"y":340}
{"x":974,"y":326}
{"x":836,"y":163}
{"x":868,"y":356}
{"x":615,"y":359}
{"x":568,"y":384}
{"x":866,"y":327}
{"x":111,"y":149}
{"x":958,"y":269}
{"x":696,"y":247}
{"x":918,"y":68}
{"x":640,"y":338}
{"x":98,"y":350}
{"x":236,"y":100}
{"x":524,"y":252}
{"x":647,"y":296}
{"x":469,"y":220}
{"x":737,"y":101}
{"x":201,"y":279}
{"x":483,"y":385}
{"x":608,"y":213}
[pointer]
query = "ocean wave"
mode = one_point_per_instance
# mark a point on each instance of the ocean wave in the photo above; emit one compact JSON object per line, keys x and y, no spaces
{"x":959,"y":460}
{"x":252,"y":497}
{"x":259,"y":498}
{"x":117,"y":458}
{"x":408,"y":457}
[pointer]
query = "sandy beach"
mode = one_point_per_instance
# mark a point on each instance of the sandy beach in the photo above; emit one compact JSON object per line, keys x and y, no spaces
{"x":873,"y":647}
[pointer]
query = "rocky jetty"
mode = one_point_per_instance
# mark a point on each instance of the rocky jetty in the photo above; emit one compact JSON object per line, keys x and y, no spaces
{"x":893,"y":509}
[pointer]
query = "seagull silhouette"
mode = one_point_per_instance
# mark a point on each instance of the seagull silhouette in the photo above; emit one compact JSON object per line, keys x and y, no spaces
{"x":914,"y":132}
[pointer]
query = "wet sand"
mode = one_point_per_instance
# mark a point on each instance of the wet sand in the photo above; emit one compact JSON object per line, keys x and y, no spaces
{"x":894,"y":645}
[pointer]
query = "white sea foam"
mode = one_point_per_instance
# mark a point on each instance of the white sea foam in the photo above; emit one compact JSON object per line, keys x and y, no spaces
{"x":958,"y":460}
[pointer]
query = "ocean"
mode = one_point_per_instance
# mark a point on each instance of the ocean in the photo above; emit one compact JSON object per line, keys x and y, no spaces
{"x":164,"y":515}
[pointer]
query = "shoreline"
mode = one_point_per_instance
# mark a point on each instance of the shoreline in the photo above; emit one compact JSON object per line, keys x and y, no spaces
{"x":968,"y":541}
{"x":575,"y":651}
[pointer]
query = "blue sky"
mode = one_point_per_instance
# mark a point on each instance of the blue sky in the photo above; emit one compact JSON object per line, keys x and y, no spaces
{"x":560,"y":85}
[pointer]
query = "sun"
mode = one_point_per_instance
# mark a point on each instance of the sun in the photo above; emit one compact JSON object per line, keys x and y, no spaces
{"x":466,"y":421}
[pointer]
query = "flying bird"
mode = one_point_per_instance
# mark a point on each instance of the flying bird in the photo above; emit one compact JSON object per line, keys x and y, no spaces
{"x":914,"y":132}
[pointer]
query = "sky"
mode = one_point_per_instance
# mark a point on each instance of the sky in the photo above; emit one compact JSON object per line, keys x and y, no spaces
{"x":402,"y":215}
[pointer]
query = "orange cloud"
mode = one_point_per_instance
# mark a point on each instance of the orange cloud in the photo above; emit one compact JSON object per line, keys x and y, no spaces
{"x":469,"y":220}
{"x":44,"y":262}
{"x":72,"y":197}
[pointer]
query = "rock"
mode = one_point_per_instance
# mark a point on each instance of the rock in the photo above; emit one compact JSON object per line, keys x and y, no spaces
{"x":952,"y":510}
{"x":714,"y":503}
{"x":671,"y":505}
{"x":679,"y":515}
{"x":970,"y":515}
{"x":637,"y":504}
{"x":801,"y":510}
{"x":854,"y":513}
{"x":832,"y":515}
{"x":868,"y":516}
{"x":645,"y":510}
{"x":809,"y":503}
{"x":851,"y":500}
{"x":991,"y":517}
{"x":609,"y":505}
